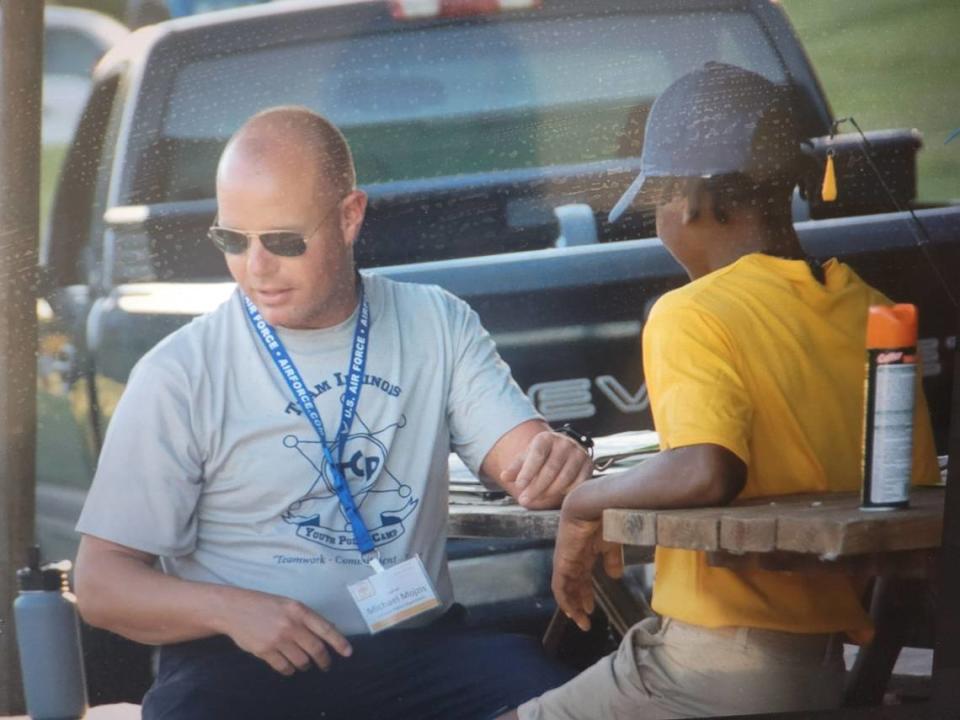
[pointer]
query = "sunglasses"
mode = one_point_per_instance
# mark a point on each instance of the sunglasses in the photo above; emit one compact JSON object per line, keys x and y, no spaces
{"x":285,"y":243}
{"x":279,"y":242}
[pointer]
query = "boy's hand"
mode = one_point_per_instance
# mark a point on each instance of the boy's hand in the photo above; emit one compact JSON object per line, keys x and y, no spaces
{"x":579,"y":542}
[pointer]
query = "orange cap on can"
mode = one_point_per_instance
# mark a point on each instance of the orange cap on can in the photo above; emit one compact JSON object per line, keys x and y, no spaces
{"x":892,"y":326}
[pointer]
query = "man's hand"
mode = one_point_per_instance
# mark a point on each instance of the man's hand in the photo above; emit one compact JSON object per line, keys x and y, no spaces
{"x":579,"y":542}
{"x":284,"y":633}
{"x":550,"y":467}
{"x":119,"y":589}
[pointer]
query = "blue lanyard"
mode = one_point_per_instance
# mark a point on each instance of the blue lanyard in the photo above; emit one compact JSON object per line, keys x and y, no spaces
{"x":351,"y":398}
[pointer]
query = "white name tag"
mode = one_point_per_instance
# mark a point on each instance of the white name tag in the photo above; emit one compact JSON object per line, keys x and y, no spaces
{"x":394,"y":595}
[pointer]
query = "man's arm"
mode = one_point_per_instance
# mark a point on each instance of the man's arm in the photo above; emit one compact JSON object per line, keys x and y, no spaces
{"x":691,"y":476}
{"x":537,"y":466}
{"x":495,"y":428}
{"x":119,"y":589}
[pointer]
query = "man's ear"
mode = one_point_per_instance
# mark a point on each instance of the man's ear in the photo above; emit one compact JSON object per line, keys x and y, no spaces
{"x":352,"y":211}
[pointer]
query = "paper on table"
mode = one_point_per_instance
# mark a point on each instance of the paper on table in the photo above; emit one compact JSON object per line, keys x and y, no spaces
{"x":611,"y":452}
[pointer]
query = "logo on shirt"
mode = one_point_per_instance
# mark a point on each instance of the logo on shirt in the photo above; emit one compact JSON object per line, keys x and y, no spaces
{"x":383,"y":500}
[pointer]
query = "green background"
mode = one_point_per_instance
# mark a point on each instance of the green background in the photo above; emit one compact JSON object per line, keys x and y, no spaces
{"x":111,"y":7}
{"x":888,"y":63}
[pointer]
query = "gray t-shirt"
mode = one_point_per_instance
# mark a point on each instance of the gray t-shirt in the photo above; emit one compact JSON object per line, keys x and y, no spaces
{"x":209,"y":463}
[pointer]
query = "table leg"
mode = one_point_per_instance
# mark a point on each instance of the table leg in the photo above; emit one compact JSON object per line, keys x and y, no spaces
{"x":556,"y":630}
{"x":622,"y":608}
{"x":897,"y":606}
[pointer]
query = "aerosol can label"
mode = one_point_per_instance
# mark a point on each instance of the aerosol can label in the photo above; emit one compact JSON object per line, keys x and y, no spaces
{"x":888,"y":432}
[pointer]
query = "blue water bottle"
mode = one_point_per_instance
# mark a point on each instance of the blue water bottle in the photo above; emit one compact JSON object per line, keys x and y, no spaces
{"x":48,"y":638}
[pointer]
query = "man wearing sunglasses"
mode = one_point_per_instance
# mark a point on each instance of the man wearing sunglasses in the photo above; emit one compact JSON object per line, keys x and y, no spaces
{"x":285,"y":459}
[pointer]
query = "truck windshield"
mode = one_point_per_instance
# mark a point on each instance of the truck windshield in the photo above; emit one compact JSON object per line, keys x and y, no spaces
{"x":459,"y":98}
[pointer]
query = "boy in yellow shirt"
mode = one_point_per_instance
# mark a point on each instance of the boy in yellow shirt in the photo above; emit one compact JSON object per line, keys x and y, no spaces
{"x":755,"y":374}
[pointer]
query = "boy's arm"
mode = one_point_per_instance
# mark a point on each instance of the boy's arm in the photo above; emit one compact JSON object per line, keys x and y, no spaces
{"x":703,"y":414}
{"x":691,"y":476}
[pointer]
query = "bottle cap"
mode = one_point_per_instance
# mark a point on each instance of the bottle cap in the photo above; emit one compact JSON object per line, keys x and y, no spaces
{"x":892,"y":326}
{"x":51,"y":577}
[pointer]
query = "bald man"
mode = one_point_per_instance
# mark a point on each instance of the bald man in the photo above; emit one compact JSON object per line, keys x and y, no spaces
{"x":284,"y":458}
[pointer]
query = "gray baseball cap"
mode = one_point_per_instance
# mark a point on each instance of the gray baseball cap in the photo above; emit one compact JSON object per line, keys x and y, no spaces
{"x":717,"y":120}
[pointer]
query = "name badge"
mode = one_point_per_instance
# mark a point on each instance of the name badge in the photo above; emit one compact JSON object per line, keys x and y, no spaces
{"x":394,"y":595}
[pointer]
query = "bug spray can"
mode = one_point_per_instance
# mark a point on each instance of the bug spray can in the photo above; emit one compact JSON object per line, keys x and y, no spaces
{"x":888,"y":411}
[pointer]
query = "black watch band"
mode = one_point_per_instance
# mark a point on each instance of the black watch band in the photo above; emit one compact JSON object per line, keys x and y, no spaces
{"x":584,"y":440}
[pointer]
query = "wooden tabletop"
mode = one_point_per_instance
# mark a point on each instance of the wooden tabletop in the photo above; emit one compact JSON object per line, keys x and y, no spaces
{"x":789,"y":532}
{"x":478,"y":512}
{"x":830,"y":525}
{"x":489,"y":520}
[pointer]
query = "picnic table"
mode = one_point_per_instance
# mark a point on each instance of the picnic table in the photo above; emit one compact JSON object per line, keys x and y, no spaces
{"x":817,"y":534}
{"x":797,"y":533}
{"x":622,"y":607}
{"x":476,"y":512}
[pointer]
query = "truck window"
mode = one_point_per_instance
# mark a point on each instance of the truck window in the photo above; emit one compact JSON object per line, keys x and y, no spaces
{"x":69,"y":52}
{"x":459,"y":98}
{"x":80,"y":203}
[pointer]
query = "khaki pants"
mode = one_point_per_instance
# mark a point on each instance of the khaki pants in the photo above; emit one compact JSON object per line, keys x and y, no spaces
{"x":671,"y":669}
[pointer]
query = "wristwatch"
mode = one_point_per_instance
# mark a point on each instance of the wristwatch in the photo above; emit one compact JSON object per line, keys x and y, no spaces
{"x":584,"y":440}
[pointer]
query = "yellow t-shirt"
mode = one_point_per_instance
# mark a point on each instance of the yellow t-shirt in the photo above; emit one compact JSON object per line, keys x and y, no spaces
{"x":760,"y":358}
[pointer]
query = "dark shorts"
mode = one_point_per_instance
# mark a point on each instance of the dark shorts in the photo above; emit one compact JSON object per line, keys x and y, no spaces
{"x":443,"y":671}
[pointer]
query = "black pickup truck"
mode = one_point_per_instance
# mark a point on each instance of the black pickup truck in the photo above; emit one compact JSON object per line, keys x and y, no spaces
{"x":492,"y":137}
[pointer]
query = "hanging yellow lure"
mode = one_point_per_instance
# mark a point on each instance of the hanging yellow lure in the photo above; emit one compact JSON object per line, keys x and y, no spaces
{"x":828,"y":191}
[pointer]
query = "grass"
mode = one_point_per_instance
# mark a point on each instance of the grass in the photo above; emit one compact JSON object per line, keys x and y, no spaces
{"x":892,"y":64}
{"x":64,"y":455}
{"x":51,"y":158}
{"x":117,"y":8}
